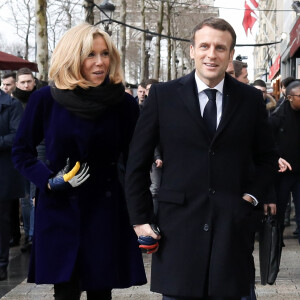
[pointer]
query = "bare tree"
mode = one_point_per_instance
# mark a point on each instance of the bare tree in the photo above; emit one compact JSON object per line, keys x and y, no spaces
{"x":23,"y":21}
{"x":143,"y":41}
{"x":41,"y":38}
{"x":158,"y":39}
{"x":123,"y":34}
{"x":89,"y":11}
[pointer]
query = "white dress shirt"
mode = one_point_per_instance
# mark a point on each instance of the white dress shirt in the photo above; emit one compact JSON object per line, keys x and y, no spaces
{"x":203,"y":99}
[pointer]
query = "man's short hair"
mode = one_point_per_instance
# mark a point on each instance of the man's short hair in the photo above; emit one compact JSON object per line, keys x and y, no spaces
{"x":151,"y":81}
{"x":294,"y":84}
{"x":9,"y":74}
{"x":238,"y":66}
{"x":259,"y":82}
{"x":142,"y":84}
{"x":24,"y":71}
{"x":215,"y":23}
{"x":285,"y":82}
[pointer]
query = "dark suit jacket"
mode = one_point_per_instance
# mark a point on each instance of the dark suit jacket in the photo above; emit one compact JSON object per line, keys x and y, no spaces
{"x":206,"y":225}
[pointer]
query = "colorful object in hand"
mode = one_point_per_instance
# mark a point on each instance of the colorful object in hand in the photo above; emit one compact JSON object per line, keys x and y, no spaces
{"x":67,"y":178}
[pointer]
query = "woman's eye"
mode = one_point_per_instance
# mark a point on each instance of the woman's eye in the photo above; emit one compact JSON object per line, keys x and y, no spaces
{"x":105,"y":54}
{"x":91,"y":54}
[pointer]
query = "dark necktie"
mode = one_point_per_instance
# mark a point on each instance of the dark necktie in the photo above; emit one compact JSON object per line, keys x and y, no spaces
{"x":210,"y":111}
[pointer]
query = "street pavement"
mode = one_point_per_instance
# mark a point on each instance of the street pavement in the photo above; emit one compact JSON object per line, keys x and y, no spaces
{"x":287,"y":286}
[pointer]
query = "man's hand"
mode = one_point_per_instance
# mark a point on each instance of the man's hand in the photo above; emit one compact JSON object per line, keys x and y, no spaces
{"x":272,"y":207}
{"x":67,"y":178}
{"x":248,"y":198}
{"x":159,"y":163}
{"x":283,"y":165}
{"x":147,"y":238}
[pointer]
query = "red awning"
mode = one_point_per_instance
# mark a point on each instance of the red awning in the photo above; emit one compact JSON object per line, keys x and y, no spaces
{"x":274,"y":68}
{"x":295,"y":38}
{"x":11,"y":62}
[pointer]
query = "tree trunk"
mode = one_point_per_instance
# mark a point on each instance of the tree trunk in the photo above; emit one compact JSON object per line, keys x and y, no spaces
{"x":158,"y":38}
{"x":123,"y":34}
{"x":169,"y":41}
{"x":42,"y":38}
{"x":143,"y":44}
{"x":89,"y":13}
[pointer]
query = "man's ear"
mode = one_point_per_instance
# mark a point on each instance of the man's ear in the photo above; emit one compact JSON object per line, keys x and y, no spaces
{"x":231,"y":54}
{"x":192,"y":50}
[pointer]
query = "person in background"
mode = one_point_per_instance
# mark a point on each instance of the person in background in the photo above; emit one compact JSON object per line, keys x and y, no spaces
{"x":12,"y":184}
{"x":25,"y":86}
{"x":283,"y":84}
{"x":141,"y":94}
{"x":269,"y":100}
{"x":129,"y":91}
{"x":285,"y":122}
{"x":240,"y":70}
{"x":156,"y":169}
{"x":9,"y":83}
{"x":219,"y":158}
{"x":83,"y":240}
{"x":230,"y":69}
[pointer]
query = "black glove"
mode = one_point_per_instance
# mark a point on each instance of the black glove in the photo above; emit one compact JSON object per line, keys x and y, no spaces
{"x":67,"y":178}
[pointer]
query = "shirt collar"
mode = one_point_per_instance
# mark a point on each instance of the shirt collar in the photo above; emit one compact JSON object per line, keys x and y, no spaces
{"x":201,"y":86}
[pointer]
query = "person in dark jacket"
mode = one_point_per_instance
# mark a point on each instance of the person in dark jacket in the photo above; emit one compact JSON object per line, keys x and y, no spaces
{"x":285,"y":122}
{"x":11,"y":182}
{"x":83,"y":240}
{"x":219,"y":158}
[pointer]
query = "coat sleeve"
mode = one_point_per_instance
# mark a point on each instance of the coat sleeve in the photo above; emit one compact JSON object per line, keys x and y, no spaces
{"x":29,"y":135}
{"x":15,"y":111}
{"x":137,"y":182}
{"x":265,"y":157}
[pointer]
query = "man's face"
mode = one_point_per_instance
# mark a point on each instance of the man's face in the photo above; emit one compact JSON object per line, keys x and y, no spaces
{"x":141,"y":93}
{"x":8,"y":85}
{"x":230,"y":69}
{"x":294,"y":98}
{"x":243,"y":76}
{"x":25,"y":82}
{"x":263,"y":89}
{"x":212,"y":54}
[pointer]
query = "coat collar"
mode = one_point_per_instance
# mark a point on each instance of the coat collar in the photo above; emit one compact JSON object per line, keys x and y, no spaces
{"x":231,"y":95}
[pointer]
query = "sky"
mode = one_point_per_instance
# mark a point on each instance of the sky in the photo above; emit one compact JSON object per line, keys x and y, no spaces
{"x":235,"y":18}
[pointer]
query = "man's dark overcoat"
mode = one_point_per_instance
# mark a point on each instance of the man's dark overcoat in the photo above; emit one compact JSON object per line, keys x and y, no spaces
{"x":11,"y":182}
{"x":207,"y":228}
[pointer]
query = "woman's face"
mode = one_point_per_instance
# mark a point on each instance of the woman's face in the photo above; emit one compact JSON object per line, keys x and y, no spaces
{"x":95,"y":67}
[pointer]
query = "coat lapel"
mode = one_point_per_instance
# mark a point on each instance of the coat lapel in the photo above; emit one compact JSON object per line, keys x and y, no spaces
{"x":231,"y":96}
{"x":188,"y":93}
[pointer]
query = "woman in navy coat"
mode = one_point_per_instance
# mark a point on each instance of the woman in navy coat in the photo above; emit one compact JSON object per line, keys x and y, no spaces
{"x":83,"y":240}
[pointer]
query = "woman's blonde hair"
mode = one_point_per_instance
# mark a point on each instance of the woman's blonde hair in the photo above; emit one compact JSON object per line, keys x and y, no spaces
{"x":70,"y":52}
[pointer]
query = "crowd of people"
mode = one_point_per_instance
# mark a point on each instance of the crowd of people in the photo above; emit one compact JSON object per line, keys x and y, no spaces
{"x":185,"y":170}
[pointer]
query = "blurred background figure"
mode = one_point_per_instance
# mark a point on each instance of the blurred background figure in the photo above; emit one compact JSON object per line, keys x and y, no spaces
{"x":240,"y":70}
{"x":9,"y":83}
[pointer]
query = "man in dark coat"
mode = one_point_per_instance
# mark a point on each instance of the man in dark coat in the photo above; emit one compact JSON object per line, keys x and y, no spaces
{"x":285,"y":122}
{"x":214,"y":176}
{"x":11,"y":182}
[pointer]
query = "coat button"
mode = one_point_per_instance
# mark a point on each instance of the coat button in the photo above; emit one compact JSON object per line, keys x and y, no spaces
{"x":108,"y":194}
{"x":206,"y":227}
{"x":211,"y":152}
{"x":212,"y":191}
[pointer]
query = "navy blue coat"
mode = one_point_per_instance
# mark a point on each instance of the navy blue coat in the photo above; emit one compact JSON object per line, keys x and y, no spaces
{"x":87,"y":225}
{"x":11,"y":182}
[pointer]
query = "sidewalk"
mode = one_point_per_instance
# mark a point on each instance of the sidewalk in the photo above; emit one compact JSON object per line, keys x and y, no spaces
{"x":287,"y":286}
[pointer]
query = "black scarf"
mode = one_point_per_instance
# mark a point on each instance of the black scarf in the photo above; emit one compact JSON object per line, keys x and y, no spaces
{"x":23,"y":96}
{"x":92,"y":102}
